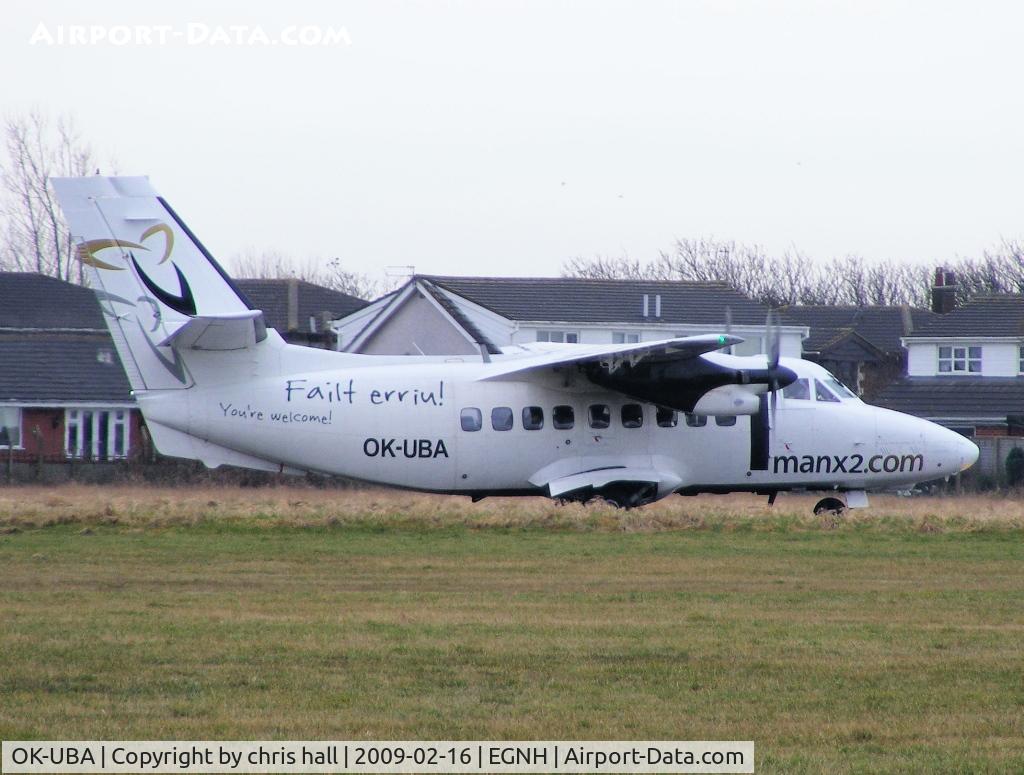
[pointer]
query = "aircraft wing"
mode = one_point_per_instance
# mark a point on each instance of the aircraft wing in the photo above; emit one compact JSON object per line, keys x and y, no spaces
{"x":611,"y":357}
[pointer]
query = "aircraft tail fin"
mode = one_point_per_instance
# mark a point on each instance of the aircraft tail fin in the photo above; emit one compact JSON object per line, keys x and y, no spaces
{"x":159,"y":288}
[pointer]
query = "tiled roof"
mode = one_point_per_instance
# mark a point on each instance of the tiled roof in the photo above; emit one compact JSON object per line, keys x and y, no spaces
{"x":604,"y":301}
{"x":35,"y":301}
{"x":467,"y":325}
{"x":61,"y":368}
{"x":271,"y":296}
{"x":983,"y":315}
{"x":953,"y":397}
{"x":882,"y":326}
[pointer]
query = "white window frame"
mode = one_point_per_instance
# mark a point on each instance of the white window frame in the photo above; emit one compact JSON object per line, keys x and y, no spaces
{"x":558,"y":335}
{"x":77,"y":436}
{"x":625,"y":337}
{"x":748,"y":343}
{"x":959,"y":354}
{"x":16,"y":410}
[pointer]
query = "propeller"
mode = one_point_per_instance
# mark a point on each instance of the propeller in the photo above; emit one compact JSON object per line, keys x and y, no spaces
{"x":772,"y":335}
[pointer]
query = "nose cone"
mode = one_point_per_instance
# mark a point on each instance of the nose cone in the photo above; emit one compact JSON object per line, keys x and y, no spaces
{"x":968,"y":452}
{"x":958,"y":452}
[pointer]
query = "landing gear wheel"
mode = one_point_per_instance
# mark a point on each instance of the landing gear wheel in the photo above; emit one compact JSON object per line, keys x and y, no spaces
{"x":627,"y":495}
{"x":832,"y":506}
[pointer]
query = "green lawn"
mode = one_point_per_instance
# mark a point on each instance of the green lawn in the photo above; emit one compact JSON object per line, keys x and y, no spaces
{"x":865,"y":648}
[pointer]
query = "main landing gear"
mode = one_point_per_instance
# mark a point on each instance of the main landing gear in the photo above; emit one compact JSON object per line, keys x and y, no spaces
{"x":852,"y":499}
{"x":628,"y":495}
{"x":832,"y":506}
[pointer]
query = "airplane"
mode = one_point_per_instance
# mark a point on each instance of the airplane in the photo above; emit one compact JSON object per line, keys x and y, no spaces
{"x":629,"y":424}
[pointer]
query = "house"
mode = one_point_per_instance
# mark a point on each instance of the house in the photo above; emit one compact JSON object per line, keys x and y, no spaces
{"x":299,"y":310}
{"x":964,"y":368}
{"x":860,"y":345}
{"x":477,"y":316}
{"x":63,"y":393}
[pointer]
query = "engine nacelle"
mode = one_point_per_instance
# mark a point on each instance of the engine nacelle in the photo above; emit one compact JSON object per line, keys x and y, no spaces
{"x":727,"y":400}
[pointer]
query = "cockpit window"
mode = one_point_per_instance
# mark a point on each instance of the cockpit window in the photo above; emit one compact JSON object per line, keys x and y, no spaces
{"x":839,"y":388}
{"x":799,"y":390}
{"x":822,"y":393}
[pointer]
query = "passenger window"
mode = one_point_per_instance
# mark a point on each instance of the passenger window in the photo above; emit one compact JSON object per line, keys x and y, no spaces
{"x":533,"y":418}
{"x":667,"y":418}
{"x":600,"y":415}
{"x":822,"y":393}
{"x":562,"y":417}
{"x":471,"y":419}
{"x":696,"y":420}
{"x":632,"y":415}
{"x":725,"y":422}
{"x":501,"y":418}
{"x":798,"y":390}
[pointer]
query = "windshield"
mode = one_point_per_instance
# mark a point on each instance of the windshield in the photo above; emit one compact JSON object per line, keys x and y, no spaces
{"x":839,"y":388}
{"x":821,"y":393}
{"x":799,"y":390}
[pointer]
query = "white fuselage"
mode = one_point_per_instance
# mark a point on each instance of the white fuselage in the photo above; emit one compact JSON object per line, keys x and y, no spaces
{"x":402,"y":424}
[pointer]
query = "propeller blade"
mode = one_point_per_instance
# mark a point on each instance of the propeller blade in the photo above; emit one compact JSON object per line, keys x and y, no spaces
{"x":773,"y":336}
{"x":772,"y":333}
{"x":774,"y":405}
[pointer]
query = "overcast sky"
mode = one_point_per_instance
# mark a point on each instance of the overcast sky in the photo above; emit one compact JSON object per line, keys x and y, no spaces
{"x":505,"y":138}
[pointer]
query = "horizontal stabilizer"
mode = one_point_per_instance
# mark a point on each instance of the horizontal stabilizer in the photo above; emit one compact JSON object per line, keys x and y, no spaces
{"x":232,"y":331}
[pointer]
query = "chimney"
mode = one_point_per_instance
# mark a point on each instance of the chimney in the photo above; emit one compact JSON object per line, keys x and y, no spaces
{"x":293,"y":304}
{"x":943,"y":291}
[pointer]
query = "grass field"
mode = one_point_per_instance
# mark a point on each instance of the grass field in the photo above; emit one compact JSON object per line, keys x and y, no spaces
{"x":892,"y":641}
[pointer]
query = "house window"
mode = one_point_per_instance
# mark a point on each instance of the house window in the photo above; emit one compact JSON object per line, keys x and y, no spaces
{"x":622,"y":337}
{"x":1020,"y":359}
{"x":959,"y":360}
{"x":96,"y":434}
{"x":569,"y":337}
{"x":10,"y":427}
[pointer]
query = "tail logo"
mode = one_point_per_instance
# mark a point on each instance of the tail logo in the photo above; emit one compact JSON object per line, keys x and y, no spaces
{"x":184,"y":302}
{"x":87,"y":250}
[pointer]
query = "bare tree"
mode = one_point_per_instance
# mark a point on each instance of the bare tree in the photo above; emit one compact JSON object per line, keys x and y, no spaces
{"x":35,"y":238}
{"x":794,"y":278}
{"x":273,"y":265}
